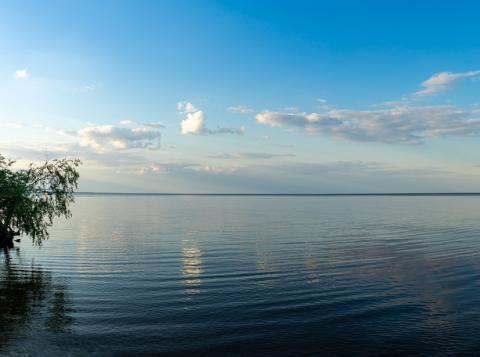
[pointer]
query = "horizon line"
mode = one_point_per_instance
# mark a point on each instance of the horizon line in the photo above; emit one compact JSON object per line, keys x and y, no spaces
{"x":278,"y":194}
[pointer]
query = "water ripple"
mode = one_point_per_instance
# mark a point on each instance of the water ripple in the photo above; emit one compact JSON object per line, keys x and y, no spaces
{"x":249,"y":275}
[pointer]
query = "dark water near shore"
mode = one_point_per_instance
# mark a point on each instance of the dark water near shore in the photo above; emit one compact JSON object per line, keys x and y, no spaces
{"x":249,"y":275}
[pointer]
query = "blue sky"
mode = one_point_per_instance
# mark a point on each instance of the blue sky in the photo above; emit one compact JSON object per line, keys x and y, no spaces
{"x":245,"y":96}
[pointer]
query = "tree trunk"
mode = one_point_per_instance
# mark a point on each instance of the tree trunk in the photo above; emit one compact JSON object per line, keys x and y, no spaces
{"x":6,"y":240}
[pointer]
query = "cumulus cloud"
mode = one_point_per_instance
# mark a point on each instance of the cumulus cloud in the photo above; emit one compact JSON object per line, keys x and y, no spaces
{"x":439,"y":82}
{"x":104,"y":138}
{"x":194,"y":122}
{"x":403,"y":124}
{"x":22,"y":73}
{"x":240,"y":109}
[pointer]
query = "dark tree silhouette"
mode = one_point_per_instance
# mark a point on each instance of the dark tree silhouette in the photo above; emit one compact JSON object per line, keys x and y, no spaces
{"x":30,"y":198}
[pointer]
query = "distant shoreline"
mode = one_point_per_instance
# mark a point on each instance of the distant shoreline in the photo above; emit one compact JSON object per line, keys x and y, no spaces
{"x":277,"y":194}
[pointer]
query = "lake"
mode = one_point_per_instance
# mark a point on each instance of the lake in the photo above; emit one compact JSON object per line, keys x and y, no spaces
{"x":256,"y":275}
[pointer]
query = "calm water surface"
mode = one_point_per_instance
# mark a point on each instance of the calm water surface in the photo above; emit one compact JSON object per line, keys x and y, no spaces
{"x":248,"y":275}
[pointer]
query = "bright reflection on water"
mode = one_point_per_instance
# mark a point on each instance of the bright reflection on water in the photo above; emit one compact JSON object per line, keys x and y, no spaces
{"x":251,"y":275}
{"x":192,"y":267}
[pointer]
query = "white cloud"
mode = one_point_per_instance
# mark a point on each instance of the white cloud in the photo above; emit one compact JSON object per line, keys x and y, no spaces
{"x":22,"y":73}
{"x":104,"y":138}
{"x":404,"y":124}
{"x":194,"y":122}
{"x":441,"y":81}
{"x":240,"y":109}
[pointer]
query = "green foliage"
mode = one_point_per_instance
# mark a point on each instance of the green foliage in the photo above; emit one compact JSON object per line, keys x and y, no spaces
{"x":30,"y":198}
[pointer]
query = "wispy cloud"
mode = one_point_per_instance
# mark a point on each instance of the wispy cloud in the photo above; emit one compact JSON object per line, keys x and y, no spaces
{"x":248,"y":156}
{"x":194,"y":122}
{"x":154,"y":168}
{"x":215,"y":170}
{"x":440,"y":82}
{"x":234,"y":131}
{"x":242,"y":109}
{"x":187,"y":107}
{"x":157,"y":168}
{"x":324,"y":105}
{"x":12,"y":125}
{"x":22,"y":73}
{"x":156,"y":125}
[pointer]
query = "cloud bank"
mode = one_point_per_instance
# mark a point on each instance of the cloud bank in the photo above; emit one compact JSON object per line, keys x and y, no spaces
{"x":404,"y":124}
{"x":401,"y":123}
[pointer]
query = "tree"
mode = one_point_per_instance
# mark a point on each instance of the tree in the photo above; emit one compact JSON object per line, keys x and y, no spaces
{"x":31,"y":198}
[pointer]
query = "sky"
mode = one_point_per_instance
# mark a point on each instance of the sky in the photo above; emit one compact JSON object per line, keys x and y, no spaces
{"x":245,"y":96}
